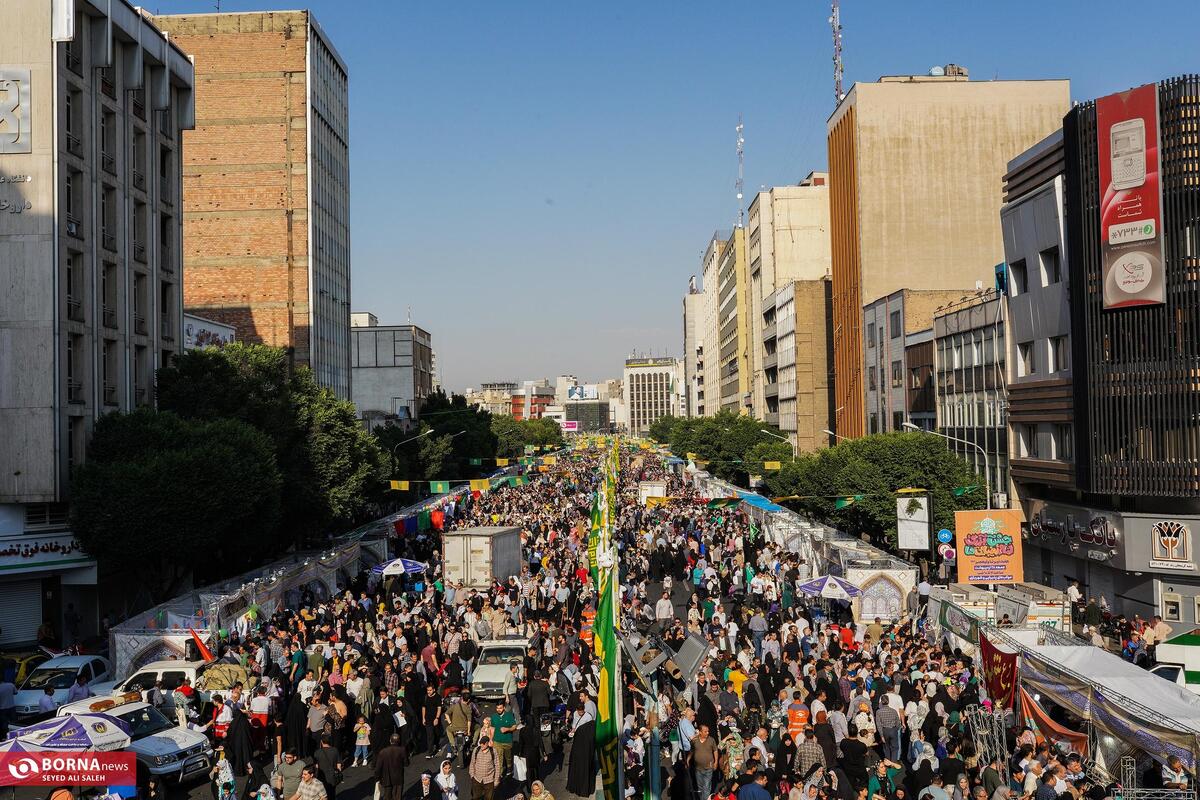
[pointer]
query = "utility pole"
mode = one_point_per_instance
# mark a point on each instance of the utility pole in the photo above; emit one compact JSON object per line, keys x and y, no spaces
{"x":835,"y":22}
{"x":741,"y":153}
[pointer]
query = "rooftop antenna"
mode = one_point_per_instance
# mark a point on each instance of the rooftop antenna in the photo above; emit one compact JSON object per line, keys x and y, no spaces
{"x":835,"y":22}
{"x":410,"y":315}
{"x":741,"y":153}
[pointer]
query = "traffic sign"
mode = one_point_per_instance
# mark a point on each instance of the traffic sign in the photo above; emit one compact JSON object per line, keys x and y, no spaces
{"x":945,"y":536}
{"x":946,"y":551}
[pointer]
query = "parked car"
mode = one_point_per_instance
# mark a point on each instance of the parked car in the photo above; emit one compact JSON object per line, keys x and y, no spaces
{"x":17,"y":666}
{"x":162,"y":748}
{"x":170,"y":672}
{"x":491,"y":665}
{"x":58,"y":674}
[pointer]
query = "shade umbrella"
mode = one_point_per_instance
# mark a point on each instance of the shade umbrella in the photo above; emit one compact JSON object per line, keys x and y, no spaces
{"x":75,"y":732}
{"x":399,"y":566}
{"x":831,"y":587}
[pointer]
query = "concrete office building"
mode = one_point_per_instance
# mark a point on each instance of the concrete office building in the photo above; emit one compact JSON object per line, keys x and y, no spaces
{"x":797,"y":362}
{"x":787,"y":240}
{"x":392,"y":370}
{"x":693,"y":350}
{"x":733,"y":321}
{"x":531,"y":400}
{"x":95,"y":99}
{"x":650,"y":385}
{"x":593,"y":416}
{"x":892,"y":325}
{"x":496,"y":397}
{"x":267,"y":177}
{"x":915,"y":167}
{"x":970,"y":349}
{"x":708,"y":392}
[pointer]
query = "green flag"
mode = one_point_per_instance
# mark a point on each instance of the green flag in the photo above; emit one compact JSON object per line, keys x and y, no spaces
{"x":475,"y":462}
{"x":959,"y":491}
{"x":607,"y":726}
{"x":849,"y":500}
{"x":516,"y":480}
{"x":439,"y":487}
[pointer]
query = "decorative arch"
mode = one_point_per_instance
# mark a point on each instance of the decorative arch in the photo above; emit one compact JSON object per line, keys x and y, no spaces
{"x":882,"y":597}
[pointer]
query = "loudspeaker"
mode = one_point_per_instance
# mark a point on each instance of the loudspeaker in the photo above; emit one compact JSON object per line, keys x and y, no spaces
{"x":689,"y":656}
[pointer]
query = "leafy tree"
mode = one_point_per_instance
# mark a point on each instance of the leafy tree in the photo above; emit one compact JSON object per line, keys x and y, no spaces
{"x":513,"y":435}
{"x":161,"y":497}
{"x":471,"y":428}
{"x":726,"y":440}
{"x":660,"y":430}
{"x":875,"y":467}
{"x":327,"y":463}
{"x":435,"y":453}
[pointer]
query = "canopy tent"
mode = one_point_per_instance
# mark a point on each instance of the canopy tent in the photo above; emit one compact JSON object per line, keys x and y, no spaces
{"x":399,"y":566}
{"x":830,"y":587}
{"x":76,"y":732}
{"x":758,"y":501}
{"x":1125,"y":701}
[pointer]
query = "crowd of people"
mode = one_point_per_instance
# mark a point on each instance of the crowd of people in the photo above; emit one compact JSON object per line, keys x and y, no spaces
{"x":791,"y":700}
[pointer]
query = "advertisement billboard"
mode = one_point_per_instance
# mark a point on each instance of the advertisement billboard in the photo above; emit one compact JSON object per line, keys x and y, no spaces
{"x":1131,"y":242}
{"x":989,"y":546}
{"x":912,"y":522}
{"x":569,"y":425}
{"x":582,"y":393}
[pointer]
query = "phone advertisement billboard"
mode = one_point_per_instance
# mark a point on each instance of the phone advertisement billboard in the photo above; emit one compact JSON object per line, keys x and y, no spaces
{"x":1131,"y":244}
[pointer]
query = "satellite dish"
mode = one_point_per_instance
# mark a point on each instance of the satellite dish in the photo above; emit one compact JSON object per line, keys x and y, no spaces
{"x":937,"y":72}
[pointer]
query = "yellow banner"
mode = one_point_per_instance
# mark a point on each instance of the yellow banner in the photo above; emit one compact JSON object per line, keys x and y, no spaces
{"x":771,"y":465}
{"x":399,"y":486}
{"x":550,"y":460}
{"x":481,"y":485}
{"x":652,"y":501}
{"x":691,"y":456}
{"x":501,"y":462}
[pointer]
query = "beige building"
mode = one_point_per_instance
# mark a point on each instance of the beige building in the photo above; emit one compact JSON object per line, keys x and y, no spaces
{"x":733,"y":324}
{"x":693,"y":350}
{"x":93,"y":99}
{"x":495,"y":398}
{"x":788,"y":241}
{"x":708,"y":390}
{"x":651,"y":386}
{"x":797,"y":362}
{"x":267,"y":183}
{"x":915,"y":164}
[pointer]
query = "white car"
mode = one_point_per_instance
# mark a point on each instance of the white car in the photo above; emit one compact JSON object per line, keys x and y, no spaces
{"x":58,"y":674}
{"x":162,"y":748}
{"x":491,"y":666}
{"x":171,"y":673}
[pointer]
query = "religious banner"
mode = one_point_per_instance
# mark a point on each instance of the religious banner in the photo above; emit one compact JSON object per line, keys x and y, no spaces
{"x":960,"y":622}
{"x":989,"y":546}
{"x":999,"y":672}
{"x":1046,"y":729}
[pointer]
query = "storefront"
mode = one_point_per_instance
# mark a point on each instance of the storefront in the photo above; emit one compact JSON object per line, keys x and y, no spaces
{"x":45,"y":578}
{"x":1140,"y":563}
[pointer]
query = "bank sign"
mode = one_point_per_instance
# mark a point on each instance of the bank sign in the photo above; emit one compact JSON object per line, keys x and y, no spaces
{"x":1131,"y":247}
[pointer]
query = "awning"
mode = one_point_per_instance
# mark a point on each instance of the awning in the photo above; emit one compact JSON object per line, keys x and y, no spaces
{"x":758,"y":501}
{"x":399,"y":566}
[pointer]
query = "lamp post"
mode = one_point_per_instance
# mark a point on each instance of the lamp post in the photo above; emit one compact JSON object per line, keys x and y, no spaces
{"x":784,"y":438}
{"x":834,"y":435}
{"x":987,"y":470}
{"x":396,"y":446}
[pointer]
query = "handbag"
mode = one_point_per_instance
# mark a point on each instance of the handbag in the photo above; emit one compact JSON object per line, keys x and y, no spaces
{"x":519,"y":767}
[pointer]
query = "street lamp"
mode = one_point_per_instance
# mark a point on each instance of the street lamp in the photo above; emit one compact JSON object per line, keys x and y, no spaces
{"x":784,"y":438}
{"x":834,"y":435}
{"x":410,"y":439}
{"x":987,"y":470}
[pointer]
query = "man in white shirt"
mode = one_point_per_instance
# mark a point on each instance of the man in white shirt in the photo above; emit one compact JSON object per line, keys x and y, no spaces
{"x":664,"y":611}
{"x":46,"y":703}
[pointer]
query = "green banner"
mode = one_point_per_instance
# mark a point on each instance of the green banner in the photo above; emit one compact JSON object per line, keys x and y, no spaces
{"x":593,"y":541}
{"x":439,"y":487}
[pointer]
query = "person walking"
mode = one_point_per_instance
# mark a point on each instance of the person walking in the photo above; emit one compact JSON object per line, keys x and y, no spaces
{"x":484,"y":770}
{"x":389,"y":769}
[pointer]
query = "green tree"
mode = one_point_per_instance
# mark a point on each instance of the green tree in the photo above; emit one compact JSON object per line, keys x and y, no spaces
{"x":471,"y":428}
{"x":725,"y":441}
{"x":875,"y":467}
{"x":328,"y":465}
{"x":510,"y":437}
{"x":661,"y":429}
{"x":161,"y":497}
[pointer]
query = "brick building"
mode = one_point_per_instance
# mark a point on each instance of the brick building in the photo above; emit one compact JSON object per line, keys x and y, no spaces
{"x":267,"y":185}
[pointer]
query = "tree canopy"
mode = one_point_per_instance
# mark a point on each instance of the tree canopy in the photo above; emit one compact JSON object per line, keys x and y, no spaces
{"x":513,"y":435}
{"x":734,"y":445}
{"x":160,"y":497}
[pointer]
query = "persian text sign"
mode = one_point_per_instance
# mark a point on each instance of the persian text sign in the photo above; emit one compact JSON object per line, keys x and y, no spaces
{"x":57,"y":768}
{"x":989,"y":546}
{"x":1131,"y":249}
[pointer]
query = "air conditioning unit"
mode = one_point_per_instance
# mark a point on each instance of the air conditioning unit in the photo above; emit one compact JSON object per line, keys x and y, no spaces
{"x":999,"y":499}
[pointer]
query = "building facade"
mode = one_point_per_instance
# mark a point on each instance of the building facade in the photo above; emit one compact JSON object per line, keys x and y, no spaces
{"x":593,"y":416}
{"x":531,"y":400}
{"x":912,"y":207}
{"x":733,"y":324}
{"x":708,"y":393}
{"x":787,"y":240}
{"x":891,"y":325}
{"x":650,"y":386}
{"x":970,"y":349}
{"x":496,"y":397}
{"x":393,"y":371}
{"x":267,"y":178}
{"x":693,"y":350}
{"x":95,"y":100}
{"x":802,"y":383}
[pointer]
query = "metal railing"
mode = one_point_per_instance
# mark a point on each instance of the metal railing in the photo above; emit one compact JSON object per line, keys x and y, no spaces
{"x":139,"y":180}
{"x":139,"y":251}
{"x":108,"y":163}
{"x":110,"y":394}
{"x":74,"y":391}
{"x":139,"y":324}
{"x":108,"y":241}
{"x":109,"y":317}
{"x":168,"y":330}
{"x":74,"y":146}
{"x":73,"y":227}
{"x":74,"y":309}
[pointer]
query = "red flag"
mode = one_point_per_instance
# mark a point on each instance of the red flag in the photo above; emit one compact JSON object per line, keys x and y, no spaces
{"x":438,"y":518}
{"x":999,"y":672}
{"x":205,"y":653}
{"x":399,"y":526}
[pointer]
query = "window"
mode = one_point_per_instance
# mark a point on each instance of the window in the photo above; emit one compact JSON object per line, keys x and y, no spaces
{"x":1064,"y":442}
{"x":897,"y":374}
{"x":870,"y":334}
{"x":872,"y":384}
{"x":914,"y":376}
{"x":1025,"y":359}
{"x":108,"y":364}
{"x":897,"y":420}
{"x":1019,"y":284}
{"x":1051,"y":266}
{"x":874,"y":423}
{"x":75,"y":286}
{"x":894,"y":325}
{"x":1060,"y":354}
{"x":75,"y":441}
{"x":1028,"y":441}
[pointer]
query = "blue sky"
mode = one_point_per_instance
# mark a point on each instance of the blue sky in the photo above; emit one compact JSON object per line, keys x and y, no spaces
{"x":537,"y":180}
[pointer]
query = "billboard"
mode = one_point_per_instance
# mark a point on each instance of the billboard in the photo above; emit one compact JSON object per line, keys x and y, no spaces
{"x":912,"y":522}
{"x":989,"y":546}
{"x":569,"y":425}
{"x":1131,"y":245}
{"x":582,"y":393}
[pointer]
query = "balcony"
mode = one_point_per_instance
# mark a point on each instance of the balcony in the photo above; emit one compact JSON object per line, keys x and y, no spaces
{"x":164,"y":193}
{"x":108,"y":163}
{"x":771,"y":418}
{"x":74,"y":392}
{"x":770,"y":360}
{"x":73,"y":62}
{"x":108,"y":241}
{"x":139,"y":395}
{"x":139,"y":108}
{"x":74,"y":146}
{"x":139,"y":251}
{"x":168,"y":330}
{"x":164,"y":123}
{"x":109,"y":316}
{"x":74,"y":309}
{"x":768,"y":331}
{"x":110,"y":394}
{"x":73,"y":227}
{"x":107,"y":85}
{"x":771,"y":390}
{"x":139,"y":323}
{"x":139,"y":180}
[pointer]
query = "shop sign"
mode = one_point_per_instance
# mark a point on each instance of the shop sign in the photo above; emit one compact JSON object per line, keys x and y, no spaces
{"x":1171,"y":546}
{"x":1075,"y":528}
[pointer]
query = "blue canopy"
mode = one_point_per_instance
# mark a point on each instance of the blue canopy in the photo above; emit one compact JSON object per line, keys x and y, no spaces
{"x":829,"y":586}
{"x":758,"y":501}
{"x":399,"y":566}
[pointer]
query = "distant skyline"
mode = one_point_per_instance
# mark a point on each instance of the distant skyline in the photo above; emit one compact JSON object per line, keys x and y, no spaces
{"x":537,"y":180}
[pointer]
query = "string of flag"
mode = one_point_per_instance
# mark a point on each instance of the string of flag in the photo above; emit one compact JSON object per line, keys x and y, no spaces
{"x":846,"y":500}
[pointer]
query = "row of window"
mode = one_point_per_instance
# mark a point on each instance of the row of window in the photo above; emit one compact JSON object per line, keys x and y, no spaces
{"x":1047,"y":272}
{"x":1055,"y":356}
{"x":1054,"y":441}
{"x":895,"y":328}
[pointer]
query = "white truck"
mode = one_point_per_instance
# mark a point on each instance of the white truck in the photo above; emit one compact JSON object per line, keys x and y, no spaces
{"x":475,"y":555}
{"x":1179,"y":660}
